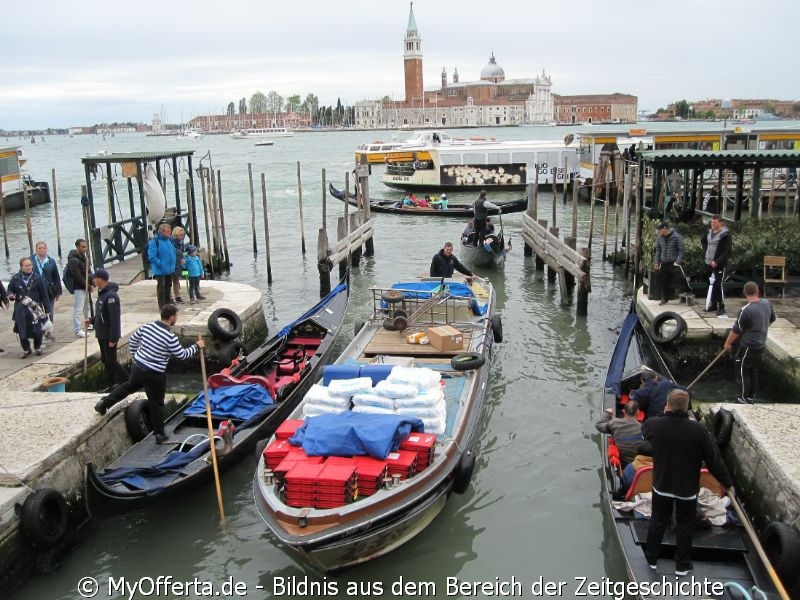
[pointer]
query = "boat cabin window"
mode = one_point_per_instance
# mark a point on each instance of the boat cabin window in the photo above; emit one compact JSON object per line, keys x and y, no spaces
{"x":497,"y":158}
{"x":777,"y":145}
{"x":528,"y":158}
{"x":451,"y":158}
{"x":474,"y":158}
{"x":586,"y":153}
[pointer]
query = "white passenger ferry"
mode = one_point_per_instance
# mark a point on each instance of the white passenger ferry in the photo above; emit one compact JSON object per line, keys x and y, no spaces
{"x":491,"y":164}
{"x":262,"y":132}
{"x":396,"y":151}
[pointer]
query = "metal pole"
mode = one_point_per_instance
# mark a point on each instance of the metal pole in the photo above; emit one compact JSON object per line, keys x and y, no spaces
{"x":55,"y":207}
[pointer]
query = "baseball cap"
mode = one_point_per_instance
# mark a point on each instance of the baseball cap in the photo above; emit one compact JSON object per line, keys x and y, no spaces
{"x":662,"y":225}
{"x":102,"y":274}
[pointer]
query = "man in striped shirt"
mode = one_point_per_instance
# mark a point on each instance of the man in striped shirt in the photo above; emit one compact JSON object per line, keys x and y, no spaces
{"x":151,"y":346}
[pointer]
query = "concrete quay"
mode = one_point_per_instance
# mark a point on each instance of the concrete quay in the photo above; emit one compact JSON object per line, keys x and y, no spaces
{"x":49,"y":437}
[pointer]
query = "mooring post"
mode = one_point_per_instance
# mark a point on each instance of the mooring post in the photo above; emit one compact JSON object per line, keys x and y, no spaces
{"x":341,"y":233}
{"x":252,"y":208}
{"x":209,"y":248}
{"x":300,"y":200}
{"x":584,"y":286}
{"x":369,"y":244}
{"x":26,"y":196}
{"x":555,"y":192}
{"x":531,"y":212}
{"x":3,"y":216}
{"x":355,"y":256}
{"x":55,"y":208}
{"x":222,"y":222}
{"x":538,"y":262}
{"x":574,"y":208}
{"x":323,"y":266}
{"x":346,"y":196}
{"x":324,"y":200}
{"x":551,"y":272}
{"x":569,"y":278}
{"x":266,"y":225}
{"x":616,"y":225}
{"x":605,"y":218}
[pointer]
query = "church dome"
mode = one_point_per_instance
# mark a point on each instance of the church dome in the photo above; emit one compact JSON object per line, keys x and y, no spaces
{"x":493,"y":72}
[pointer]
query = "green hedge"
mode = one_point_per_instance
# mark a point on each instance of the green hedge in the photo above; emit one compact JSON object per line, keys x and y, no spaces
{"x":752,"y":240}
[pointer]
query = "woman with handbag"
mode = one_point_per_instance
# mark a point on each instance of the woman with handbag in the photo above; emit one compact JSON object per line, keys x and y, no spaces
{"x":45,"y":267}
{"x":31,"y":307}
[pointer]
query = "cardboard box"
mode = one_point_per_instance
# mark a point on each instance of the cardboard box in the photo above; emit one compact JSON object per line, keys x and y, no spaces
{"x":445,"y":338}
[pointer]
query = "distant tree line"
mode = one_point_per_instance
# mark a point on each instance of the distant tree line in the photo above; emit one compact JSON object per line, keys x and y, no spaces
{"x":273,"y":102}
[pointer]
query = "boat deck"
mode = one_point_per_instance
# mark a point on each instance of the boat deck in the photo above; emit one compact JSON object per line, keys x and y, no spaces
{"x":394,"y":343}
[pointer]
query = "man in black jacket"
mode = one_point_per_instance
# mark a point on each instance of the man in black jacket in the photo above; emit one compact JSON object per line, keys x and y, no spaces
{"x":444,"y":263}
{"x":680,"y":446}
{"x":77,"y":265}
{"x":717,"y":246}
{"x":107,"y":323}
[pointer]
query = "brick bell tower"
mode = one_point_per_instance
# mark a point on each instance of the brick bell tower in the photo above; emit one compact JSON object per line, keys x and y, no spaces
{"x":412,"y":60}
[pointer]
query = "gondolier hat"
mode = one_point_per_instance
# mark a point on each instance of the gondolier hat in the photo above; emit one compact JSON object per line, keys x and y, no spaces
{"x":662,"y":225}
{"x":102,"y":274}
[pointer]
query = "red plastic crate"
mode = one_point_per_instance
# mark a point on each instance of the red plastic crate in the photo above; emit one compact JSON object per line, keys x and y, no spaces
{"x":371,"y":472}
{"x":291,"y":460}
{"x":424,"y":444}
{"x":403,"y":462}
{"x":304,"y":472}
{"x":275,"y":452}
{"x":286,"y":429}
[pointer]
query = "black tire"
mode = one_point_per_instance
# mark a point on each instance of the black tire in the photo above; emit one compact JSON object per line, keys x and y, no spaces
{"x":357,"y":328}
{"x":391,"y":296}
{"x":44,"y":518}
{"x":400,"y":322}
{"x":782,"y":546}
{"x":227,"y":352}
{"x":399,"y":313}
{"x":388,"y":325}
{"x":722,"y":428}
{"x":232,"y":327}
{"x":463,"y":473}
{"x":657,"y":326}
{"x":467,"y":361}
{"x":260,"y":446}
{"x":138,"y":423}
{"x":497,"y":328}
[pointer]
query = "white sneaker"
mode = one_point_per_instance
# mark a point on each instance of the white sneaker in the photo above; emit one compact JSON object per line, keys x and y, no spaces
{"x":81,"y":334}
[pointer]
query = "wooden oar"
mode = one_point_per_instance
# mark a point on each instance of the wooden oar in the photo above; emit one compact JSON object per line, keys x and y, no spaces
{"x":759,"y":549}
{"x":708,"y":368}
{"x":211,"y":433}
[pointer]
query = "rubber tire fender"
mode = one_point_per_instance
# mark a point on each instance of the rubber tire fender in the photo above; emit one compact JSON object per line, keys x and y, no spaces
{"x":227,"y":352}
{"x":782,"y":546}
{"x":463,"y":473}
{"x":138,"y":422}
{"x":221,"y":332}
{"x":722,"y":427}
{"x":391,"y":296}
{"x":497,"y":328}
{"x":659,"y":320}
{"x":44,"y":517}
{"x":467,"y":361}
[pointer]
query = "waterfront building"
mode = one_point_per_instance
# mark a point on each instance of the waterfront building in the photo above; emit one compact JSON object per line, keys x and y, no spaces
{"x":596,"y":108}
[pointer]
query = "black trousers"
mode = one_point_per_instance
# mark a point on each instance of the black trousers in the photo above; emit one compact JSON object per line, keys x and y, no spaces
{"x":480,"y":229}
{"x":747,"y":361}
{"x":667,"y":276}
{"x":717,"y":301}
{"x":26,"y":344}
{"x":163,"y":289}
{"x":155,"y":386}
{"x":116,"y":373}
{"x":659,"y":521}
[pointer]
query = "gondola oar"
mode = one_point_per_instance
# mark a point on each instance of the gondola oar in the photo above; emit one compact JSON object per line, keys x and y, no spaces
{"x":708,"y":368}
{"x":211,"y":439}
{"x":759,"y":549}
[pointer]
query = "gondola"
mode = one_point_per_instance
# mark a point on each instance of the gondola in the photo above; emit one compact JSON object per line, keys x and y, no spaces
{"x":490,"y":253}
{"x":396,"y":207}
{"x":348,"y":508}
{"x":722,"y":554}
{"x":248,"y":399}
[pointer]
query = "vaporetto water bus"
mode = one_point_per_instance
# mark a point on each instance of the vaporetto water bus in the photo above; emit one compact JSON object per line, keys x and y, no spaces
{"x":395,"y":151}
{"x":262,"y":132}
{"x":496,"y":165}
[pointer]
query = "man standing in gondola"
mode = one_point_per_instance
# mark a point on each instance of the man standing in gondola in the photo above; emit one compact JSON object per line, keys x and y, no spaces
{"x":445,"y":262}
{"x":680,"y":447}
{"x":481,"y":208}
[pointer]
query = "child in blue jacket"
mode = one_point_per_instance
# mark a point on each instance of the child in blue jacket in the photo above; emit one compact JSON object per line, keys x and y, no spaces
{"x":194,"y":265}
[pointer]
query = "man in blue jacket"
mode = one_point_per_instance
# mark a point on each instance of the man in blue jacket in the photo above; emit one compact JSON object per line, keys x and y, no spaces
{"x":161,"y":254}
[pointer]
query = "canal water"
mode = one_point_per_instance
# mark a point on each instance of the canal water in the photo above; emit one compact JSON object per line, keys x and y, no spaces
{"x":533,"y":511}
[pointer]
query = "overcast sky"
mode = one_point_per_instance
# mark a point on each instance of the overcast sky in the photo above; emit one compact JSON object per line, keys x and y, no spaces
{"x":69,"y":63}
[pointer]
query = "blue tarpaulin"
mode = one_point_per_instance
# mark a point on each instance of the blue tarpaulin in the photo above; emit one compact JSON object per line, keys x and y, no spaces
{"x":354,"y":434}
{"x":426,"y":289}
{"x":232,"y":402}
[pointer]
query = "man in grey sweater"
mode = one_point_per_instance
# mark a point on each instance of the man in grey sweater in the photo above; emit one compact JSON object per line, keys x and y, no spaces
{"x":669,"y":255}
{"x":627,"y":431}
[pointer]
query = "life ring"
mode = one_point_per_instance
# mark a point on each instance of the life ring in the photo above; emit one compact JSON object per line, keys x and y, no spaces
{"x":138,"y":422}
{"x":44,"y":517}
{"x":497,"y":328}
{"x":782,"y":546}
{"x":722,"y":428}
{"x":467,"y":361}
{"x":220,"y":331}
{"x":463,"y":473}
{"x":670,"y":336}
{"x":229,"y":352}
{"x":391,"y":296}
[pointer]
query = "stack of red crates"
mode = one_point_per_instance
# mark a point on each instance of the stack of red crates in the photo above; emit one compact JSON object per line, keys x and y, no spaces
{"x":403,"y":462}
{"x":293,"y":457}
{"x":424,"y":444}
{"x":371,"y":473}
{"x":301,"y":481}
{"x":337,"y":484}
{"x":286,"y":429}
{"x":275,"y":452}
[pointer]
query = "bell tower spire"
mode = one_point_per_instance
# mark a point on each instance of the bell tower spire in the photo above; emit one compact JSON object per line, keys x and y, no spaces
{"x":412,"y":59}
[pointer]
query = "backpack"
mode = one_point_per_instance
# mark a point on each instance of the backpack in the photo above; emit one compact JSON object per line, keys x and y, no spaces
{"x":68,"y":281}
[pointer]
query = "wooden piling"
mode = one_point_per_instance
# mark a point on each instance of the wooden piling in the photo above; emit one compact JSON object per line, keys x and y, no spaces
{"x":55,"y":208}
{"x":584,"y":287}
{"x":341,"y":233}
{"x":212,"y":209}
{"x":3,"y":216}
{"x":569,"y":278}
{"x":369,"y":244}
{"x":605,"y":218}
{"x":564,"y":181}
{"x":222,"y":223}
{"x":346,"y":197}
{"x":209,"y":247}
{"x":574,"y":208}
{"x":252,"y":208}
{"x":26,"y":196}
{"x":538,"y":262}
{"x":324,"y":201}
{"x":266,"y":227}
{"x":555,"y":192}
{"x":531,"y":212}
{"x":300,"y":202}
{"x":323,"y":266}
{"x":616,"y":224}
{"x":551,"y":272}
{"x":355,"y":256}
